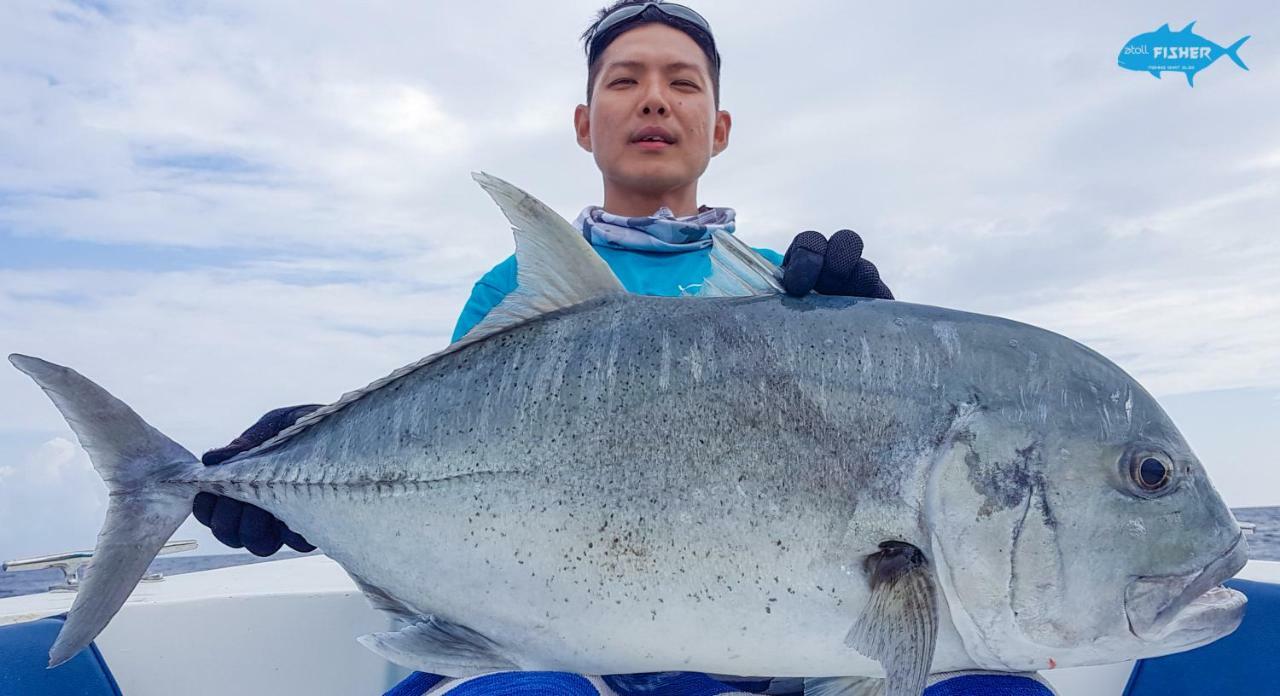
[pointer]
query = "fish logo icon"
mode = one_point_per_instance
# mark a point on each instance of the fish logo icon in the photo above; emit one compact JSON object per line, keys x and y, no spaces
{"x":1183,"y":51}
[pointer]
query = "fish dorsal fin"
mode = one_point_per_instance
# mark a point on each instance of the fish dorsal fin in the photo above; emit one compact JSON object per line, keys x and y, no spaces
{"x":1187,"y":29}
{"x":555,"y":266}
{"x":737,"y":270}
{"x":1164,"y":29}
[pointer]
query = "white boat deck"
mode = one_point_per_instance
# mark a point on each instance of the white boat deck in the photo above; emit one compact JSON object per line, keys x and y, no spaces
{"x":283,"y":627}
{"x":289,"y":627}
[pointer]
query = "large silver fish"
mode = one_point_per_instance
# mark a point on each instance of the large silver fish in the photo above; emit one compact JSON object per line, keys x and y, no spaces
{"x":607,"y":483}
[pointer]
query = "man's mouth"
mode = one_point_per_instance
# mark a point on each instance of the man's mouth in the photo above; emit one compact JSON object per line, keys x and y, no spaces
{"x":653,"y":138}
{"x":1191,"y":608}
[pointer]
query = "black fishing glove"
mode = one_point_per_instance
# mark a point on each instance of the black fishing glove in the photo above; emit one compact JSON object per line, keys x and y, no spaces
{"x":831,"y":267}
{"x":238,"y":524}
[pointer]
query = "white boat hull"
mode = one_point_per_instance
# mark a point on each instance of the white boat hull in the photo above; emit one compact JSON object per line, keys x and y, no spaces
{"x":289,"y":626}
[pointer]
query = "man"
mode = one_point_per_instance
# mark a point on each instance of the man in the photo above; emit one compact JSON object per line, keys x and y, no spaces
{"x":652,"y":122}
{"x":643,"y":83}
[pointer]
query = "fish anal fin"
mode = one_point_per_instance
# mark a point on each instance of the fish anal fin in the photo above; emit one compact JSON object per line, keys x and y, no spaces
{"x":899,"y":626}
{"x":1155,"y":73}
{"x":383,"y":601}
{"x":437,"y":646}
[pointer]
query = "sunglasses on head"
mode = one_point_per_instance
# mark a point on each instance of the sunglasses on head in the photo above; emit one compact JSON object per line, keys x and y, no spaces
{"x":669,"y":9}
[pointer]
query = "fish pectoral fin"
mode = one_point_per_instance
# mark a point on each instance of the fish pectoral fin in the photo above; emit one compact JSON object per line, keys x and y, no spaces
{"x":844,"y":686}
{"x":899,"y":626}
{"x":437,"y":646}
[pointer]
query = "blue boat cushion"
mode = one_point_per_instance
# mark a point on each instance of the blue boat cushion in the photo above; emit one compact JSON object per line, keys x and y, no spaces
{"x":24,"y":653}
{"x":1242,"y":663}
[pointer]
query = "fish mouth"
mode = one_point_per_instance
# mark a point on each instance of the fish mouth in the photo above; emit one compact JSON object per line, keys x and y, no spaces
{"x":1190,"y":609}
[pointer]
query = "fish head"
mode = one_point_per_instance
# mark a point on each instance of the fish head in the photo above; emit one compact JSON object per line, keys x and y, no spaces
{"x":1071,"y":524}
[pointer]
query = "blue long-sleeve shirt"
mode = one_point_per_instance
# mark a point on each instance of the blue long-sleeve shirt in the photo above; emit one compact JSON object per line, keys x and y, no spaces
{"x":640,"y":272}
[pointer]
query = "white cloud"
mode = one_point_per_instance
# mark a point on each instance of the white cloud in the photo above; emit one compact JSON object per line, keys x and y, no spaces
{"x":51,"y":496}
{"x":1195,"y":336}
{"x":57,"y":460}
{"x":216,"y":348}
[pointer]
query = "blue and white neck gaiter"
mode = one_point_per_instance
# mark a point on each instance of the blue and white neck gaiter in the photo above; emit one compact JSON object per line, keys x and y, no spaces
{"x":660,"y":232}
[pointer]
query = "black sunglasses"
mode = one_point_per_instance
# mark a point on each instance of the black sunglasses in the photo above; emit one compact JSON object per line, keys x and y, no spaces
{"x":670,"y":9}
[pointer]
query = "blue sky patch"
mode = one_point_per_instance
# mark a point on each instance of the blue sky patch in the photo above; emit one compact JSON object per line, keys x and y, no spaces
{"x":10,"y":196}
{"x":208,"y":162}
{"x":23,"y":252}
{"x":102,"y":7}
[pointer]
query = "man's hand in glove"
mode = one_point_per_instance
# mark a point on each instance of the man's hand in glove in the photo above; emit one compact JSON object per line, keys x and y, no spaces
{"x":238,"y":524}
{"x":833,"y":266}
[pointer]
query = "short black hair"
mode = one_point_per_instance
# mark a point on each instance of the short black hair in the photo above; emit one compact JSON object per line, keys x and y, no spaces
{"x":597,"y":44}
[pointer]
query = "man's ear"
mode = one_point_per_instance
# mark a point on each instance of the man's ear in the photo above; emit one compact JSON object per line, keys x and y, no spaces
{"x":582,"y":126}
{"x":720,"y":134}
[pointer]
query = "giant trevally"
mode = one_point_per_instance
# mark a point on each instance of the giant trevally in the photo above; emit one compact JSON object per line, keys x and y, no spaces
{"x":606,"y":483}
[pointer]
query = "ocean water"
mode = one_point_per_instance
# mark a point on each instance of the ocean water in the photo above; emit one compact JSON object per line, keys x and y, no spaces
{"x":1264,"y":545}
{"x":33,"y":581}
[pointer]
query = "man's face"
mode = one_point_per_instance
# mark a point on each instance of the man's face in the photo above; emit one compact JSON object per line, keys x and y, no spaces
{"x":652,"y":75}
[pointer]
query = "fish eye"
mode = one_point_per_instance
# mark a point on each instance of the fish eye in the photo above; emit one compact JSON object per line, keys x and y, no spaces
{"x":1151,"y":472}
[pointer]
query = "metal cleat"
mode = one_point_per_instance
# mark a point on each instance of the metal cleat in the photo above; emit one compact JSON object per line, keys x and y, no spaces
{"x":73,"y":565}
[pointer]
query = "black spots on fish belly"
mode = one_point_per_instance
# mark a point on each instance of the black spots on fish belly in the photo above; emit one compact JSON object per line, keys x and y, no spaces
{"x":899,"y":626}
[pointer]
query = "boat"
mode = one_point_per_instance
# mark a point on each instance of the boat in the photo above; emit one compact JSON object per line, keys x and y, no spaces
{"x":289,"y":627}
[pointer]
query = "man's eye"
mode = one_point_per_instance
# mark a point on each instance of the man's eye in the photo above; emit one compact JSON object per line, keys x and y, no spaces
{"x":686,"y":82}
{"x":625,"y":79}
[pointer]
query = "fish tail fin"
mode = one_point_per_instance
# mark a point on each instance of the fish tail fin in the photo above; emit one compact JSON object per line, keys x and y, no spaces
{"x":1231,"y":52}
{"x":134,"y":459}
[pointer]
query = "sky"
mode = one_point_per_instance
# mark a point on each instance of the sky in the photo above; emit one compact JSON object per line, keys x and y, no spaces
{"x":218,"y":208}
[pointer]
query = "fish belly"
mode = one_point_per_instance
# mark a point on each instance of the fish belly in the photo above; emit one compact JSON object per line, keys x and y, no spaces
{"x":565,"y":580}
{"x":627,"y":489}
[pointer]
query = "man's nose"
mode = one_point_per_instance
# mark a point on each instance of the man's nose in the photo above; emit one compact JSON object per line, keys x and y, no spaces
{"x":655,"y":101}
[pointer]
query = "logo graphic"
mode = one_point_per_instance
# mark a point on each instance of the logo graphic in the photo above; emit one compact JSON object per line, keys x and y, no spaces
{"x":1163,"y":50}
